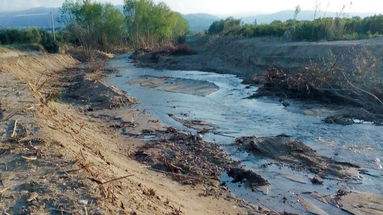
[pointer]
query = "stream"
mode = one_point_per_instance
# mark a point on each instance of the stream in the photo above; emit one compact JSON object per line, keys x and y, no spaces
{"x":221,"y":100}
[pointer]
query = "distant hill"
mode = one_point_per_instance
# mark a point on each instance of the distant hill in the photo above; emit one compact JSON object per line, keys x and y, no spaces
{"x":36,"y":17}
{"x":289,"y":14}
{"x":40,"y":17}
{"x":200,"y":21}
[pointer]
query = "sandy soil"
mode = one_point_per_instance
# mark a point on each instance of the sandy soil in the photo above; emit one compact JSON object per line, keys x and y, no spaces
{"x":62,"y":158}
{"x":6,"y":53}
{"x":177,"y":85}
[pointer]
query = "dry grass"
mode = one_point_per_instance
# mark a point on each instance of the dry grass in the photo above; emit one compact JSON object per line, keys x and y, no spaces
{"x":149,"y":192}
{"x":362,"y":86}
{"x":93,"y":154}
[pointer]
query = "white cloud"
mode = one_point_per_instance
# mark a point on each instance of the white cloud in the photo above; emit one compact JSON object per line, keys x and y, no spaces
{"x":12,"y":5}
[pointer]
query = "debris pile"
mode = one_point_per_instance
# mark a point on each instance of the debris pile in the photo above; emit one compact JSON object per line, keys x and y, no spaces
{"x":297,"y":155}
{"x":185,"y":157}
{"x":95,"y":95}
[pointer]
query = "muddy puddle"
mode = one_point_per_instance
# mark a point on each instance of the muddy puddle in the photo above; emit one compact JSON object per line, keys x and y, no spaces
{"x":219,"y":101}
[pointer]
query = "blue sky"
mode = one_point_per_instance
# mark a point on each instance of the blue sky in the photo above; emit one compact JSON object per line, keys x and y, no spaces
{"x":226,"y":6}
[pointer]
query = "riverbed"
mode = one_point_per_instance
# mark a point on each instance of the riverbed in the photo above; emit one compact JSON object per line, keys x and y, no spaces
{"x":221,"y":101}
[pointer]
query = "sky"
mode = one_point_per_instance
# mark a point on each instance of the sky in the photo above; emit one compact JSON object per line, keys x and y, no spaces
{"x":226,"y":7}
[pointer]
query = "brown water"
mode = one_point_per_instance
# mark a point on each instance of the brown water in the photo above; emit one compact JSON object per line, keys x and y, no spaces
{"x":232,"y":116}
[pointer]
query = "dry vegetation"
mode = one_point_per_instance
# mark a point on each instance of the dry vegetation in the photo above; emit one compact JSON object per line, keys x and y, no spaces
{"x":68,"y":162}
{"x":328,"y":80}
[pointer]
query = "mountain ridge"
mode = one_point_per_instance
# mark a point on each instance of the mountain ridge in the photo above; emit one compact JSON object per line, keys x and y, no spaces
{"x":41,"y":17}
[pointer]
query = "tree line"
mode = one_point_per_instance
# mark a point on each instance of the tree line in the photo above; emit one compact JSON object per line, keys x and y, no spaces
{"x":93,"y":25}
{"x":150,"y":24}
{"x":141,"y":24}
{"x":318,"y":29}
{"x":35,"y":36}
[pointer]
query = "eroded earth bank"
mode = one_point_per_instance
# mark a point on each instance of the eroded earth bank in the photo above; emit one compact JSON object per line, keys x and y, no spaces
{"x":78,"y":138}
{"x":316,"y":156}
{"x":63,"y":152}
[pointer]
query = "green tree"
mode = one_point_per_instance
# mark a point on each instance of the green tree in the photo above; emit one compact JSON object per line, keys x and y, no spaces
{"x":151,"y":24}
{"x":229,"y":25}
{"x":33,"y":35}
{"x":93,"y":25}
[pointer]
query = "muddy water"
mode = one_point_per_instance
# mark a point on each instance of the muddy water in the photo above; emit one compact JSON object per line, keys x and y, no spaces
{"x":232,"y":116}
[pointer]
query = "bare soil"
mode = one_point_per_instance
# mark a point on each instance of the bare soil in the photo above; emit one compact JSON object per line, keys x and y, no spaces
{"x":251,"y":57}
{"x":198,"y":125}
{"x":177,"y":85}
{"x":63,"y":151}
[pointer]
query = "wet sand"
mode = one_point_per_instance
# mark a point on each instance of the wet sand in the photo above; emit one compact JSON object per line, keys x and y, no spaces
{"x":177,"y":85}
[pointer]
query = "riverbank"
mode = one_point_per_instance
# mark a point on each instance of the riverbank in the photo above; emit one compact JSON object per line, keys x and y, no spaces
{"x":250,"y":58}
{"x":322,"y":158}
{"x":328,"y":72}
{"x":64,"y":153}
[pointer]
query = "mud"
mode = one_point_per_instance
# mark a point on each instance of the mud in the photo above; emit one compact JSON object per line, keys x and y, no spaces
{"x":361,"y":203}
{"x":297,"y":155}
{"x":354,"y":202}
{"x":248,"y":177}
{"x":188,"y":158}
{"x":16,"y":131}
{"x":177,"y":85}
{"x":94,"y":95}
{"x":250,"y":59}
{"x":1,"y":111}
{"x":351,"y":116}
{"x":201,"y":126}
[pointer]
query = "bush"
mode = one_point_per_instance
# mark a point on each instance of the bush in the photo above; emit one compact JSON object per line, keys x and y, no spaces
{"x":93,"y":25}
{"x":29,"y":37}
{"x":361,"y":86}
{"x":318,"y":29}
{"x":150,"y":24}
{"x":225,"y":26}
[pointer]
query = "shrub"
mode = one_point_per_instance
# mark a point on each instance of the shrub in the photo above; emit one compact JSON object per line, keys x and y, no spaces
{"x":318,"y":29}
{"x":150,"y":24}
{"x":29,"y":37}
{"x":93,"y":25}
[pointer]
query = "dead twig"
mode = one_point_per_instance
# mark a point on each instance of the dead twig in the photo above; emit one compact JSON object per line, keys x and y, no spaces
{"x":37,"y":93}
{"x":10,"y":116}
{"x":3,"y":190}
{"x":14,"y":129}
{"x":33,"y":196}
{"x":29,"y":158}
{"x":61,"y":211}
{"x":365,"y":91}
{"x":106,"y":182}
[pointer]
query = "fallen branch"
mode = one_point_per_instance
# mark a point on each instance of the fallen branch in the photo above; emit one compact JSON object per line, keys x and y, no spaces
{"x":14,"y":129}
{"x":3,"y":190}
{"x":365,"y":91}
{"x":29,"y":158}
{"x":106,"y":182}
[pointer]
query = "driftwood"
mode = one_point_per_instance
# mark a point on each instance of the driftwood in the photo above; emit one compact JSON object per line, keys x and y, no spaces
{"x":306,"y":85}
{"x":107,"y":182}
{"x":14,"y":129}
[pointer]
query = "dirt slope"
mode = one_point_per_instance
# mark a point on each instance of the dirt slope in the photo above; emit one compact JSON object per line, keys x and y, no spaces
{"x":56,"y":159}
{"x":251,"y":57}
